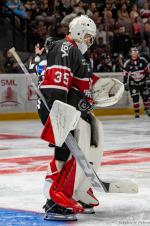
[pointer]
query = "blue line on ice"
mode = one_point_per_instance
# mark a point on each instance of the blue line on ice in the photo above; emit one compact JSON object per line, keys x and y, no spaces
{"x":9,"y":217}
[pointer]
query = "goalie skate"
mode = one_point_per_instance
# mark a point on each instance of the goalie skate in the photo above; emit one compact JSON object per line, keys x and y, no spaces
{"x":56,"y":212}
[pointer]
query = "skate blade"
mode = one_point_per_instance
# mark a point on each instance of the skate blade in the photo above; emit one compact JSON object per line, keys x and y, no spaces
{"x":60,"y":217}
{"x":88,"y":211}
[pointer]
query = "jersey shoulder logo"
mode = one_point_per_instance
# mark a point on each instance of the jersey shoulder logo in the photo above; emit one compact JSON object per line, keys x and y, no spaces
{"x":65,"y":49}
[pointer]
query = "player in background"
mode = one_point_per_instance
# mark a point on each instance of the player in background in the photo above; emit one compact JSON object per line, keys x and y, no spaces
{"x":38,"y":63}
{"x":136,"y":78}
{"x":69,"y":78}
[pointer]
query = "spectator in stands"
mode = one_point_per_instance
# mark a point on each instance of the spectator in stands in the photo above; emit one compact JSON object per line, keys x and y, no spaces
{"x":147,"y":32}
{"x":105,"y":64}
{"x":10,"y":65}
{"x":134,"y":13}
{"x":96,"y":17}
{"x":145,"y":12}
{"x":144,"y":50}
{"x":101,"y":33}
{"x":139,"y":3}
{"x":121,"y":2}
{"x":117,"y":62}
{"x":91,"y":9}
{"x":51,"y":18}
{"x":102,"y":59}
{"x":109,"y":25}
{"x":137,"y":31}
{"x":123,"y":17}
{"x":17,"y":7}
{"x":108,"y":8}
{"x":39,"y":32}
{"x":96,"y":57}
{"x":44,"y":13}
{"x":79,"y":8}
{"x":65,"y":7}
{"x":121,"y":43}
{"x":99,"y":43}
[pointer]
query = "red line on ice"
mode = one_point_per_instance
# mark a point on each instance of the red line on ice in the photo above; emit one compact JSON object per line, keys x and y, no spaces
{"x":39,"y":163}
{"x":4,"y":136}
{"x":129,"y":150}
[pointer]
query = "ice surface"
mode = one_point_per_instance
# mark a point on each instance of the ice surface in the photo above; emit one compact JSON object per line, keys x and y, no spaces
{"x":23,"y":162}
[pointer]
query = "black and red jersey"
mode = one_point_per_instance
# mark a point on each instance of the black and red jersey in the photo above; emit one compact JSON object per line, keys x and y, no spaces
{"x":137,"y":70}
{"x":67,"y":71}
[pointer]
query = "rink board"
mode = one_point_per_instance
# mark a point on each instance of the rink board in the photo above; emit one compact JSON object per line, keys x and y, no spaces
{"x":18,"y":98}
{"x":97,"y":112}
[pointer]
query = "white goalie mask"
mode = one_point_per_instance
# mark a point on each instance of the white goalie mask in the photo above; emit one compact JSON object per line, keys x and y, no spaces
{"x":79,"y":28}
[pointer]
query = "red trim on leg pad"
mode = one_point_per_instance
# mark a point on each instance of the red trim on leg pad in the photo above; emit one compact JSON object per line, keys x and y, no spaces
{"x":90,"y":192}
{"x":62,"y":200}
{"x":62,"y":188}
{"x":47,"y":133}
{"x":53,"y":172}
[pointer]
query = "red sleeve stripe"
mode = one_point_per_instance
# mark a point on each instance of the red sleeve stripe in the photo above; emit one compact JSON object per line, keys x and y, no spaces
{"x":54,"y":87}
{"x":60,"y":67}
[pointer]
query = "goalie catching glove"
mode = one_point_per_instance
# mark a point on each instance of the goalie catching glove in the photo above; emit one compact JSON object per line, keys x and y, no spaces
{"x":107,"y":92}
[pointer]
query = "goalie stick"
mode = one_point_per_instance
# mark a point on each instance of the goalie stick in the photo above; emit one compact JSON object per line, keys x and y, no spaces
{"x":96,"y":182}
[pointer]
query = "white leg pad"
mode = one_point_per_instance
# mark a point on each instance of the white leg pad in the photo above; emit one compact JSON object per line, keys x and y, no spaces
{"x":93,"y":155}
{"x":46,"y":188}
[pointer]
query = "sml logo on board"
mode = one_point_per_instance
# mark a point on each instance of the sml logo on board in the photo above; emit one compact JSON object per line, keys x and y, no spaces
{"x":31,"y":93}
{"x":8,"y":95}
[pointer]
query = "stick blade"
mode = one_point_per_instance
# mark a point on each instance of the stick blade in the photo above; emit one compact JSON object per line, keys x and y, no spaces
{"x":123,"y":186}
